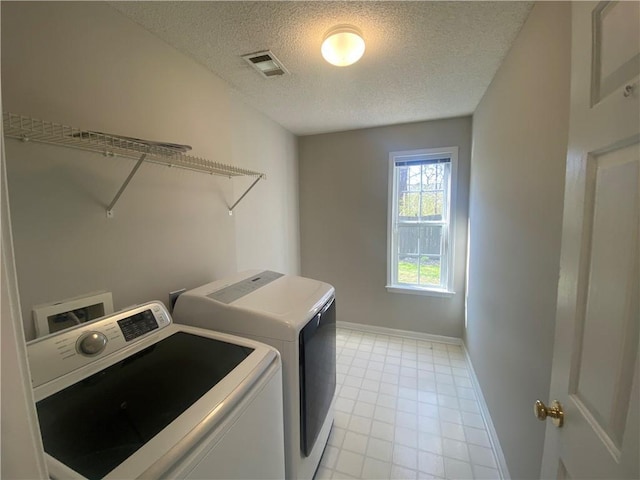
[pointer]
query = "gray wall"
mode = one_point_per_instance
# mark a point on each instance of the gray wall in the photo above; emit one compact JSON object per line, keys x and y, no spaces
{"x":267,"y":229}
{"x":343,"y":222}
{"x":86,"y":65}
{"x":517,"y":182}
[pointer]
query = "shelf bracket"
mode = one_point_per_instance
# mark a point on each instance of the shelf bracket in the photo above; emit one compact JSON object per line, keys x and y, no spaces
{"x":244,"y":194}
{"x":124,"y":185}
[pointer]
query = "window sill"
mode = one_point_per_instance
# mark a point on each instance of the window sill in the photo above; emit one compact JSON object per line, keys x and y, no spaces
{"x":420,"y":291}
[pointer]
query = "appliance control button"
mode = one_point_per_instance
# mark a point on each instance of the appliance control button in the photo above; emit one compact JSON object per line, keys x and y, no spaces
{"x":92,"y":343}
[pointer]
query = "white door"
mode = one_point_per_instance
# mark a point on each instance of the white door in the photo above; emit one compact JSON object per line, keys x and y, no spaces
{"x":595,"y":372}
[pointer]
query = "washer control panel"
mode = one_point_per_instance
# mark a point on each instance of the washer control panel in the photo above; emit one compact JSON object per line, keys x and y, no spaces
{"x":62,"y":352}
{"x":139,"y":324}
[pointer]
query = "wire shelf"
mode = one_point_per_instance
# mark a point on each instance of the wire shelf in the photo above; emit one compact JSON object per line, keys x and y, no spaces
{"x":32,"y":129}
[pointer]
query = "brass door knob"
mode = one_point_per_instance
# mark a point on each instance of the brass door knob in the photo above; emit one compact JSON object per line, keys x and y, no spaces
{"x":541,"y":411}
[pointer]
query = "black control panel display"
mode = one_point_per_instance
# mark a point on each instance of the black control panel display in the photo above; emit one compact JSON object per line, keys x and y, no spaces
{"x":138,"y":324}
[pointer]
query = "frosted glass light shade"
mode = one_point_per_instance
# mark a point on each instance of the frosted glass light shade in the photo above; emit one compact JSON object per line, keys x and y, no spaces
{"x":343,"y":45}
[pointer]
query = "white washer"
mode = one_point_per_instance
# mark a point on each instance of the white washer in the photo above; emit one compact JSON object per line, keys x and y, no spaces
{"x":297,"y":316}
{"x":133,"y":395}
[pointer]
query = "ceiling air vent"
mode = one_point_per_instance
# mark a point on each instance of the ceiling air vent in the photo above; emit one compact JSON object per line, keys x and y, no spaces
{"x":266,"y":64}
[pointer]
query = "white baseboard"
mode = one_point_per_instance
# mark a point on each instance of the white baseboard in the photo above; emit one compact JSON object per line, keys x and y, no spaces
{"x":400,"y":333}
{"x":484,"y":409}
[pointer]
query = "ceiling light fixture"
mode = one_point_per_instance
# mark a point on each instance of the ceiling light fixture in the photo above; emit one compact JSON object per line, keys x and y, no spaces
{"x":343,"y":45}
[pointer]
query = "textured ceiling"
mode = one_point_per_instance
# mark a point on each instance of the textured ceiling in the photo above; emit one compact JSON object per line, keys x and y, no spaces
{"x":423,"y":60}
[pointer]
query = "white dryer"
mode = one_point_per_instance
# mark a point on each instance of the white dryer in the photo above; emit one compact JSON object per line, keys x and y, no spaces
{"x":133,"y":395}
{"x":297,"y":316}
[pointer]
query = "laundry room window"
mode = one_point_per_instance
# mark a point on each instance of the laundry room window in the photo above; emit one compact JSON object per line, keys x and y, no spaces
{"x":421,"y":221}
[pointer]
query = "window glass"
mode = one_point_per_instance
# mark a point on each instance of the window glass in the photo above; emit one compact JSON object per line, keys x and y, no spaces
{"x":408,"y":239}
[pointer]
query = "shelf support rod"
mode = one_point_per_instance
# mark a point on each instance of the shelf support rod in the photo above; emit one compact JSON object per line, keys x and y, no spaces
{"x":124,"y":185}
{"x":244,"y":194}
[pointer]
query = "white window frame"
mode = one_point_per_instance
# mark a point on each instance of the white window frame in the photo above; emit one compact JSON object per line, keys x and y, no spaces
{"x":445,"y":290}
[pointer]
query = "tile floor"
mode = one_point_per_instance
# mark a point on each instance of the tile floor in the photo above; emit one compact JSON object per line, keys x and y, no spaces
{"x":405,"y":409}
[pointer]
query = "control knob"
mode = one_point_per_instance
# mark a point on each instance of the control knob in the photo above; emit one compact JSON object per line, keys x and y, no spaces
{"x":92,"y":343}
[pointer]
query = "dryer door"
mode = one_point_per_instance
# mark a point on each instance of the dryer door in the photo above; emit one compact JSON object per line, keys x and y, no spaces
{"x":317,"y":374}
